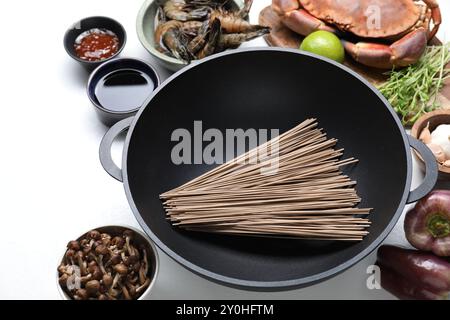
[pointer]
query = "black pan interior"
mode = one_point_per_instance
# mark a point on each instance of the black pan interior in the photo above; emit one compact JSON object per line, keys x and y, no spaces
{"x":266,"y":89}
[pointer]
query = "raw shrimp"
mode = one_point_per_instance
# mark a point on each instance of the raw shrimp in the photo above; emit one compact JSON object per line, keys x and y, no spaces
{"x":192,"y":28}
{"x":199,"y":41}
{"x":234,"y":21}
{"x":209,"y":3}
{"x":169,"y":37}
{"x":234,"y":40}
{"x":231,"y":23}
{"x":213,"y":40}
{"x":181,"y":11}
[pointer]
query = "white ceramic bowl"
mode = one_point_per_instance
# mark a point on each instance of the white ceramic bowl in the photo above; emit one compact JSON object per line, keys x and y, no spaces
{"x":142,"y":238}
{"x":145,"y":26}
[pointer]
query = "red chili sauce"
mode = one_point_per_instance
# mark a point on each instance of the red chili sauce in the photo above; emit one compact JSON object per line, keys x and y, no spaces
{"x":96,"y":45}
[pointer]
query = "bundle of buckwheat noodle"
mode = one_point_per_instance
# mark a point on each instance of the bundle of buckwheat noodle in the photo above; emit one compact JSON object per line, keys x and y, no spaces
{"x":307,"y":196}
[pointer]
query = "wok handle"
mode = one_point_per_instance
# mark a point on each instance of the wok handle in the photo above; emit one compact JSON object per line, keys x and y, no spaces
{"x":431,"y":173}
{"x":105,"y":148}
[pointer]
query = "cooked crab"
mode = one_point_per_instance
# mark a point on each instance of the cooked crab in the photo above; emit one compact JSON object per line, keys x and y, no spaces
{"x":377,"y":33}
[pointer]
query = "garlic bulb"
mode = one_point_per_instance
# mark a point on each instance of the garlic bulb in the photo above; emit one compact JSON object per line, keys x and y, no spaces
{"x":441,"y":136}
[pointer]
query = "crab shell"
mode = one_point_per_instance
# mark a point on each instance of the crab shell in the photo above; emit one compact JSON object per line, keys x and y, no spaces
{"x":390,"y":33}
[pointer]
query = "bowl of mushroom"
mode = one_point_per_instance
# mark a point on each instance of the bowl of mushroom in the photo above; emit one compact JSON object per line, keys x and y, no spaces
{"x":108,"y":263}
{"x":433,"y":129}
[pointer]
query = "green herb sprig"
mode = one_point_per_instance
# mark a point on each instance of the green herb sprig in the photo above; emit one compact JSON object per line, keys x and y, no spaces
{"x":414,"y":90}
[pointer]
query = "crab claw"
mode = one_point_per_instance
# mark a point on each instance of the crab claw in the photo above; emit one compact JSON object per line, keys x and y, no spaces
{"x":298,"y":19}
{"x":281,"y":7}
{"x":303,"y":23}
{"x":435,"y":16}
{"x":401,"y":53}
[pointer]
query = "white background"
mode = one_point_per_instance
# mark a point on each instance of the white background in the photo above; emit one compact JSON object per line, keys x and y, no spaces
{"x":52,"y":187}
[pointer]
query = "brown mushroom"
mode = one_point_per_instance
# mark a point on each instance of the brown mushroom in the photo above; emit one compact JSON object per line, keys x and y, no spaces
{"x":103,"y":289}
{"x":87,"y":253}
{"x":92,"y":265}
{"x":136,"y":267}
{"x":125,"y":292}
{"x":99,"y":261}
{"x":81,"y":294}
{"x":81,"y":263}
{"x":111,"y":297}
{"x":132,"y":279}
{"x":131,"y":260}
{"x":107,"y":280}
{"x":92,"y":288}
{"x":112,"y":291}
{"x":86,"y":279}
{"x":101,"y":250}
{"x":63,"y":280}
{"x":62,"y":269}
{"x":70,"y":254}
{"x":106,"y":239}
{"x":144,"y":286}
{"x":121,"y":269}
{"x":131,"y":289}
{"x":129,"y":235}
{"x":97,"y":274}
{"x":115,"y":259}
{"x":118,"y":242}
{"x":143,"y":271}
{"x":94,"y":234}
{"x":73,"y":245}
{"x":142,"y":274}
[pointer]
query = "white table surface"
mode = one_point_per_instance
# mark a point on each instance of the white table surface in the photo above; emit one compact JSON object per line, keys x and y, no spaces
{"x":52,"y":185}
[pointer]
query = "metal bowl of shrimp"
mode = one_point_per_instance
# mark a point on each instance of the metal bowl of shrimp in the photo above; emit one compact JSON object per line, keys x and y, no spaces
{"x":178,"y":32}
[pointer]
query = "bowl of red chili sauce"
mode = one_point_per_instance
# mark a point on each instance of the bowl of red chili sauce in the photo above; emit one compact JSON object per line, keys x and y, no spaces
{"x":94,"y":40}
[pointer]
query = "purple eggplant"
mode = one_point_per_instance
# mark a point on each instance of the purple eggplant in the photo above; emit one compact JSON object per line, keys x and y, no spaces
{"x":427,"y":225}
{"x":422,"y":268}
{"x":405,"y":289}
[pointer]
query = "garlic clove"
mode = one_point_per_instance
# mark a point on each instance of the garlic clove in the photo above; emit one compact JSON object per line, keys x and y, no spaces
{"x":425,"y":135}
{"x":446,"y":164}
{"x":438,"y":152}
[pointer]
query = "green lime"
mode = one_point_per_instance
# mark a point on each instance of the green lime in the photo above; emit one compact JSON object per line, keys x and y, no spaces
{"x":325,"y":44}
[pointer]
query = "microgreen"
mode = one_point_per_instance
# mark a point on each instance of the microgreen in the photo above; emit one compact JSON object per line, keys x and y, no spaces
{"x":414,"y":90}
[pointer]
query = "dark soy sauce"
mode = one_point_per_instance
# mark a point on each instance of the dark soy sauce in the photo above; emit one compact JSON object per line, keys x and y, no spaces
{"x":124,"y":90}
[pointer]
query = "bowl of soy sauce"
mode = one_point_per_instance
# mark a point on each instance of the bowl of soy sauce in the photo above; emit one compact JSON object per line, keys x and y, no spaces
{"x":118,"y":88}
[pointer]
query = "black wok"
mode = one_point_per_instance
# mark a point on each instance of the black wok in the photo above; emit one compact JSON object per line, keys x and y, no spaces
{"x":267,"y":88}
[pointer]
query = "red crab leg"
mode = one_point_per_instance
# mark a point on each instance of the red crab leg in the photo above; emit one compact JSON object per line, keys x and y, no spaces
{"x":435,"y":15}
{"x":301,"y":22}
{"x":401,"y":53}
